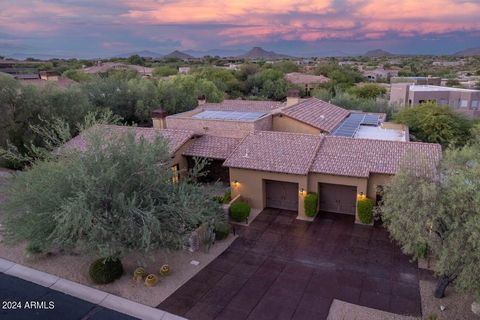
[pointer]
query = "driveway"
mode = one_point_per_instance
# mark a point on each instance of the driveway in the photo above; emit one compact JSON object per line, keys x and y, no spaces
{"x":283,"y":268}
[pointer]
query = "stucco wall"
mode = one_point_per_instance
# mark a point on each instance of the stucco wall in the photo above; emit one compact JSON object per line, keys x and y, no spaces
{"x":251,"y":186}
{"x":286,"y":124}
{"x":181,"y":160}
{"x":264,"y":123}
{"x":374,"y":181}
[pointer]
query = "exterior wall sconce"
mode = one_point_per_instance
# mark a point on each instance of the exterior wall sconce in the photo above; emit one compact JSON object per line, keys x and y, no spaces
{"x":361,"y":196}
{"x":235,"y":183}
{"x":302,"y":192}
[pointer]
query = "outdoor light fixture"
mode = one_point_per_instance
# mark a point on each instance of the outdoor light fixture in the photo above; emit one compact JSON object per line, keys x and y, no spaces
{"x":235,"y":183}
{"x":302,"y":191}
{"x":361,"y":196}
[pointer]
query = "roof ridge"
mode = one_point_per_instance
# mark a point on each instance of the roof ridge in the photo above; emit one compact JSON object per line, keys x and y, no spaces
{"x":387,"y":141}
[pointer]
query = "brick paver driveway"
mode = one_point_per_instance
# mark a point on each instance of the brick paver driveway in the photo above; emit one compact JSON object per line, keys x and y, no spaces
{"x":283,"y":268}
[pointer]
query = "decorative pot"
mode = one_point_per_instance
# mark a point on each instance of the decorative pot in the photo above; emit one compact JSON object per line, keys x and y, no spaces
{"x":139,"y":274}
{"x":151,"y":280}
{"x":165,"y":270}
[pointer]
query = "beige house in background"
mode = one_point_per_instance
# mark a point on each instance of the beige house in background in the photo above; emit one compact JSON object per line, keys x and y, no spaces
{"x":273,"y":153}
{"x":463,"y":100}
{"x":307,"y":82}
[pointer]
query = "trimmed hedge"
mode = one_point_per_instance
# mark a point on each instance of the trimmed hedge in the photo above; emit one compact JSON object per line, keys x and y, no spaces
{"x":105,"y":270}
{"x":239,"y":211}
{"x":310,"y":204}
{"x":222,"y":230}
{"x":365,"y":210}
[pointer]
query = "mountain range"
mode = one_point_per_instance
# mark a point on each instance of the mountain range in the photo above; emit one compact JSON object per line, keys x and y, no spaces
{"x":378,"y":53}
{"x":470,"y":52}
{"x":260,"y":53}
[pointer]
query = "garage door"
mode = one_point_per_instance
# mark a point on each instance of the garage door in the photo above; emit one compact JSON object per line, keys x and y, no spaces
{"x":281,"y":195}
{"x":337,"y":198}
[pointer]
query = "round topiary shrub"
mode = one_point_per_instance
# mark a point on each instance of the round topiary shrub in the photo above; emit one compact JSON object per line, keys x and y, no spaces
{"x":222,"y":230}
{"x":239,"y":211}
{"x":310,"y":203}
{"x":105,"y":270}
{"x":365,"y":210}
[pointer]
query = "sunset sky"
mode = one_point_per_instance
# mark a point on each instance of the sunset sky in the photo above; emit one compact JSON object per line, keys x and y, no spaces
{"x":96,"y":28}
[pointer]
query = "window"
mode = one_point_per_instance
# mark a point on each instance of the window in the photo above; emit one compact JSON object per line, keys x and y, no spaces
{"x":463,"y":103}
{"x":443,"y":102}
{"x":475,"y":104}
{"x":175,"y":175}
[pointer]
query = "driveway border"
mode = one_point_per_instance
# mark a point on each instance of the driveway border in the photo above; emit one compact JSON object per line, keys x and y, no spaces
{"x":95,"y":296}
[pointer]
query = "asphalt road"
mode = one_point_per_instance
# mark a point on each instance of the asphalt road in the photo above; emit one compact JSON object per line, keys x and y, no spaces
{"x":20,"y":299}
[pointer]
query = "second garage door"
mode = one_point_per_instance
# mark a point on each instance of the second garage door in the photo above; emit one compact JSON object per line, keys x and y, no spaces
{"x":337,"y":198}
{"x":281,"y":195}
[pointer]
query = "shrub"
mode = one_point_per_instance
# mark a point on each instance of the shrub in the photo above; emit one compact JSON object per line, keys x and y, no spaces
{"x":239,"y":211}
{"x":227,"y":197}
{"x":365,"y":210}
{"x":310,"y":203}
{"x":222,"y":230}
{"x":33,"y":249}
{"x":105,"y":270}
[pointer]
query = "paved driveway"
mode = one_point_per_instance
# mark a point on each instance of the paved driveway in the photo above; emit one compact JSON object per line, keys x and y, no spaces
{"x":283,"y":268}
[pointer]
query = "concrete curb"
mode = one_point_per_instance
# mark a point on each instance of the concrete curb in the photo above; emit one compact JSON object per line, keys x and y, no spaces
{"x":86,"y":293}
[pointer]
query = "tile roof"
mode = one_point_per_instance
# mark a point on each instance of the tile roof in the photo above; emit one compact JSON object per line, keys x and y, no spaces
{"x":273,"y":151}
{"x":242,"y":105}
{"x":212,"y":147}
{"x":317,"y":113}
{"x":303,"y":78}
{"x":360,"y":157}
{"x":176,"y":138}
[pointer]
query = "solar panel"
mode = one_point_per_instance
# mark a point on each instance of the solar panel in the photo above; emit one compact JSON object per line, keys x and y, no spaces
{"x":229,"y":115}
{"x":351,"y":124}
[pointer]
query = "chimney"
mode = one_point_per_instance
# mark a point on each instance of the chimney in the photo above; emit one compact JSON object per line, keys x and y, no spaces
{"x":293,"y":97}
{"x":159,"y":119}
{"x":201,"y":100}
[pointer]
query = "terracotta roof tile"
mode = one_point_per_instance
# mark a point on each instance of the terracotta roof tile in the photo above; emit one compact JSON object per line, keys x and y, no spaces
{"x":317,"y":113}
{"x":360,"y":157}
{"x":275,"y":152}
{"x":243,"y":105}
{"x":176,"y":138}
{"x":214,"y":147}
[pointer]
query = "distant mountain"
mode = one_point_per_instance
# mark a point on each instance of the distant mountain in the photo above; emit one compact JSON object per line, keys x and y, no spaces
{"x":143,"y":53}
{"x":40,"y":56}
{"x":178,"y":55}
{"x":215,"y":52}
{"x":378,"y":53}
{"x":470,"y":52}
{"x":259,"y":53}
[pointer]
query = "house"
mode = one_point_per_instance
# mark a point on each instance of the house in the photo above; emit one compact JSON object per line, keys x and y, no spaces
{"x":434,"y":81}
{"x":49,"y":75}
{"x":463,"y":100}
{"x":379,"y":74}
{"x":184,"y":70}
{"x":307,"y":82}
{"x":273,"y":153}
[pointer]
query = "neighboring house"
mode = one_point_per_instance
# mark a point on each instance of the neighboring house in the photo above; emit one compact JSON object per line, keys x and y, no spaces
{"x":307,"y":82}
{"x":273,"y":153}
{"x":61,"y":82}
{"x":463,"y":100}
{"x":379,"y":74}
{"x":49,"y":75}
{"x":103,"y":67}
{"x":184,"y":70}
{"x":21,"y":73}
{"x":434,"y":81}
{"x":448,"y":63}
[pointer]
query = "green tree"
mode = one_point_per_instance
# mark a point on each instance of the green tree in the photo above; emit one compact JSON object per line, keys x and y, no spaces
{"x":224,"y":80}
{"x":430,"y":122}
{"x":136,"y":59}
{"x":368,"y":91}
{"x":441,"y":214}
{"x":180,"y":93}
{"x":164,"y":71}
{"x":113,"y":196}
{"x":76,"y":75}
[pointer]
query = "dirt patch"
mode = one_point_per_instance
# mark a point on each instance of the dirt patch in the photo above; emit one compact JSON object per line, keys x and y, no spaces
{"x":340,"y":310}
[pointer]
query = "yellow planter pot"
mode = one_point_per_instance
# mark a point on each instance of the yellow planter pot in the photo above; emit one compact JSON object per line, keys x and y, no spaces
{"x":165,"y":270}
{"x":151,"y":280}
{"x":139,"y":274}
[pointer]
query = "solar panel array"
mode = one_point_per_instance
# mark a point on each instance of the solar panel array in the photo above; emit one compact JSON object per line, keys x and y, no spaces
{"x":350,"y":126}
{"x":229,"y":115}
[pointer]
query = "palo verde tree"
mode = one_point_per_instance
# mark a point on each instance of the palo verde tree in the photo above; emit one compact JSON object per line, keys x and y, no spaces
{"x":440,"y":216}
{"x":106,"y":195}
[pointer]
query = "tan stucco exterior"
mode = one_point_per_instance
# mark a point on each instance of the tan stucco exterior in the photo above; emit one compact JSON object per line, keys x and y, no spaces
{"x":251,"y":185}
{"x":284,"y":123}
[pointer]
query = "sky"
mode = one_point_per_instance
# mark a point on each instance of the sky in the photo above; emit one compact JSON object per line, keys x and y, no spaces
{"x":101,"y":28}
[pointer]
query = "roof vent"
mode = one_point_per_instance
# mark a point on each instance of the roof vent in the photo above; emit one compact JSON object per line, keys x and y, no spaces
{"x":246,"y":154}
{"x":322,"y":117}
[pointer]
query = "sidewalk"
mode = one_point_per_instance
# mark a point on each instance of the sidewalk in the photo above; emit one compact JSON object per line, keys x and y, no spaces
{"x":93,"y":297}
